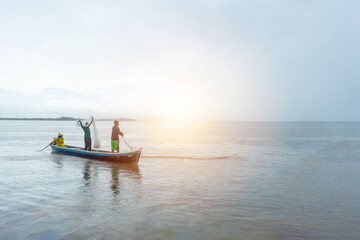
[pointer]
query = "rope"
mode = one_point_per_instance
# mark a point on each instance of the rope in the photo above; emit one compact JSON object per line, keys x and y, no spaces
{"x":127,"y":143}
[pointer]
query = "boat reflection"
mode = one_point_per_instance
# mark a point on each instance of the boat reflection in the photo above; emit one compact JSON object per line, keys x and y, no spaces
{"x":93,"y":172}
{"x":119,"y":172}
{"x":58,"y":159}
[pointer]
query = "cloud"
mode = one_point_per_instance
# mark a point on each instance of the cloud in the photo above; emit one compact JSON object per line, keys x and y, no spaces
{"x":241,"y":59}
{"x":70,"y":103}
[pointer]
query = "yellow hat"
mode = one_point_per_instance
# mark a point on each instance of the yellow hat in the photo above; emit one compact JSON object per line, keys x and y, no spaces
{"x":59,"y":134}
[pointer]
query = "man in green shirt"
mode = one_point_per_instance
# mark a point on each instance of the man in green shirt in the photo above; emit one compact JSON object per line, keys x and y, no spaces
{"x":87,"y":135}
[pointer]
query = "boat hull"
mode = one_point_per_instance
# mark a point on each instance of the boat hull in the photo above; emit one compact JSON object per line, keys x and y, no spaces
{"x":132,"y":157}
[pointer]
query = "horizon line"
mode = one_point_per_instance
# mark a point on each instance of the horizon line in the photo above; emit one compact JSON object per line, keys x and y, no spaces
{"x":63,"y":118}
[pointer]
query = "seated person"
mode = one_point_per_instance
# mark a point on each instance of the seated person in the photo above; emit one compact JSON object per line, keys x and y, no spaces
{"x":59,"y":141}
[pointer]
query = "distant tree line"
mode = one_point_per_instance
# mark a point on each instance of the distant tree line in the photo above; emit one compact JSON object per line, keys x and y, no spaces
{"x":65,"y":119}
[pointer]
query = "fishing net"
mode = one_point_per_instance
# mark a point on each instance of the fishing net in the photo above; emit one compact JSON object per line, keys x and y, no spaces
{"x":94,"y":134}
{"x":97,"y":143}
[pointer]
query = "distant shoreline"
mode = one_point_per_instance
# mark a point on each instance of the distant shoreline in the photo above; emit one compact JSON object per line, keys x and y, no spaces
{"x":65,"y":119}
{"x":160,"y":120}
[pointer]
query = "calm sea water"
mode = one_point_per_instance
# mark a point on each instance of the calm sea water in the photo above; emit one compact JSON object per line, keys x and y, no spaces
{"x":209,"y":180}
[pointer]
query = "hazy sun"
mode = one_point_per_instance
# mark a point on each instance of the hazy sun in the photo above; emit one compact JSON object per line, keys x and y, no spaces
{"x":180,"y":106}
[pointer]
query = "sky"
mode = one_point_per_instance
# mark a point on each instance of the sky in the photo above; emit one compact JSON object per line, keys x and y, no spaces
{"x":220,"y":60}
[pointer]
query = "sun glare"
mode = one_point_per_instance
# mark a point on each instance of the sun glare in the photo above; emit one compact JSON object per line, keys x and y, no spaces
{"x":180,"y":106}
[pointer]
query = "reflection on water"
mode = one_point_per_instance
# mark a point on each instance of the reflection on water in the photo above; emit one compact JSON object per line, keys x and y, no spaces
{"x":209,"y":181}
{"x":115,"y":180}
{"x":91,"y":167}
{"x":57,"y":158}
{"x":117,"y":170}
{"x":121,"y":168}
{"x":87,"y":173}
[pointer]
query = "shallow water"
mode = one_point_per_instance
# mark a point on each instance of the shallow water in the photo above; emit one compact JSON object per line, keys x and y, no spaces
{"x":208,"y":180}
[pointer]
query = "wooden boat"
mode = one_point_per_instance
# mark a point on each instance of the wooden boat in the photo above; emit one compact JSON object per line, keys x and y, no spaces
{"x":132,"y":156}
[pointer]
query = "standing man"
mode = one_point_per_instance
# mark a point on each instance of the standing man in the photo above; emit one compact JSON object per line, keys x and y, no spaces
{"x":87,"y":135}
{"x":115,"y":136}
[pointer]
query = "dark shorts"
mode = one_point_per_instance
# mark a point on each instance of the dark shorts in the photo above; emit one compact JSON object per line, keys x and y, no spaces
{"x":87,"y":144}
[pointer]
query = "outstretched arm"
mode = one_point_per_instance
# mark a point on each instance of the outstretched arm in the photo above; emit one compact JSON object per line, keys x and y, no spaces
{"x":92,"y":119}
{"x":120,"y":132}
{"x":54,"y":141}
